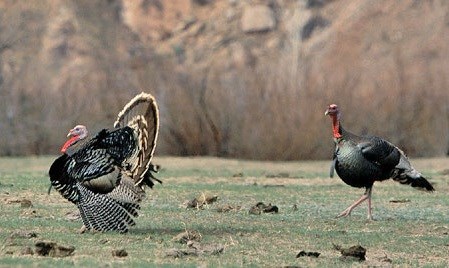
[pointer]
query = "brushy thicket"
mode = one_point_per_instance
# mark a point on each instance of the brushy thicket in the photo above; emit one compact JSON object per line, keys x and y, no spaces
{"x":271,"y":108}
{"x":267,"y":113}
{"x":276,"y":111}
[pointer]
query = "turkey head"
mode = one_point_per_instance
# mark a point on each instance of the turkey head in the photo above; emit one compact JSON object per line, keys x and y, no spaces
{"x":77,"y":133}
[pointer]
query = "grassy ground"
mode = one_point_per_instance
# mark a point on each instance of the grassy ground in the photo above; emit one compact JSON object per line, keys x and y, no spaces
{"x":413,"y":231}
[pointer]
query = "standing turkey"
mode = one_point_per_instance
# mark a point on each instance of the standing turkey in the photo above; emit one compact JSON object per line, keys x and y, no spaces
{"x":105,"y":175}
{"x":360,"y":161}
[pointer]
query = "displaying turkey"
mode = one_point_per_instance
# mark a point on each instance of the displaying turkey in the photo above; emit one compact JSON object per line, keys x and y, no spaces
{"x":105,"y":175}
{"x":362,"y":160}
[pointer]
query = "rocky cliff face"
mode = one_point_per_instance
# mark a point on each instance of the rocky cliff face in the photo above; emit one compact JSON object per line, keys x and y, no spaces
{"x":233,"y":78}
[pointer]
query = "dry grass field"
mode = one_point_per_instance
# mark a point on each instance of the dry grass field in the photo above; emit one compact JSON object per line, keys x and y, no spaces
{"x":411,"y":227}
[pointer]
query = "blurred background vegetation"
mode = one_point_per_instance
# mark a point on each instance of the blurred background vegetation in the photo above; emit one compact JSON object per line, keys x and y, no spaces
{"x":244,"y":79}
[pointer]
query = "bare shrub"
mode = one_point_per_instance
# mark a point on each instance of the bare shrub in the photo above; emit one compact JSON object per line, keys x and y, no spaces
{"x":244,"y":96}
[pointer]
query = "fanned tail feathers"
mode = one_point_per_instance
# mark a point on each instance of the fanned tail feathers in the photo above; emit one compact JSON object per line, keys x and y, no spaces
{"x":142,"y":115}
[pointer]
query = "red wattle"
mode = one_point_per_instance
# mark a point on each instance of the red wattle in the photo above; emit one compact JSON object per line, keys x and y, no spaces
{"x":336,"y":127}
{"x":68,"y":143}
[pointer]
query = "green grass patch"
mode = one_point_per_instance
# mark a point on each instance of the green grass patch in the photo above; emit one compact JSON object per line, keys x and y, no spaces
{"x":414,"y":232}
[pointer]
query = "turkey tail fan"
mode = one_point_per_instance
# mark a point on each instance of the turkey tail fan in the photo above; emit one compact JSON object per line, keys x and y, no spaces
{"x":142,"y":115}
{"x":101,"y":213}
{"x":422,"y":182}
{"x":405,"y":173}
{"x":416,"y":182}
{"x":148,"y":178}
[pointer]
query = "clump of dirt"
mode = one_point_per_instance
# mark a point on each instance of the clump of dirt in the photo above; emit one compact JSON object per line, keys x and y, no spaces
{"x":195,"y":249}
{"x":355,"y":252}
{"x":227,"y":208}
{"x":52,"y":249}
{"x":386,"y":259}
{"x":405,"y":200}
{"x":179,"y":253}
{"x":303,"y":253}
{"x":260,"y":207}
{"x":273,"y":185}
{"x":201,"y":200}
{"x":73,"y":216}
{"x":103,"y":241}
{"x":278,"y":175}
{"x":188,"y":235}
{"x":120,"y":253}
{"x":25,"y":203}
{"x":30,"y":213}
{"x":206,"y":249}
{"x":16,"y":244}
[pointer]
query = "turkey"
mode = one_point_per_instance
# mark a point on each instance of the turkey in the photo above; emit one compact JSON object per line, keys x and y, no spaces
{"x":362,"y":160}
{"x":105,"y":175}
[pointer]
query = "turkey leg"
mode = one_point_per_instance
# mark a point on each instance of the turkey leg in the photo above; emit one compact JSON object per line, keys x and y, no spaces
{"x":366,"y":195}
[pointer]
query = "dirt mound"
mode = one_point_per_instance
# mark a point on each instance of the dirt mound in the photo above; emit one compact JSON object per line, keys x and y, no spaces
{"x":260,"y":207}
{"x":52,"y":249}
{"x":200,"y":201}
{"x":352,"y":253}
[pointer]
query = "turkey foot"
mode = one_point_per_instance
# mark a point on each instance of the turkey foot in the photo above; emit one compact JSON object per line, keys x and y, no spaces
{"x":365,"y":196}
{"x":345,"y":212}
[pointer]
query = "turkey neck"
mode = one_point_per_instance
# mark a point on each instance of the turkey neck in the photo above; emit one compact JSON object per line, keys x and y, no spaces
{"x":75,"y":146}
{"x":336,"y":131}
{"x":69,"y":143}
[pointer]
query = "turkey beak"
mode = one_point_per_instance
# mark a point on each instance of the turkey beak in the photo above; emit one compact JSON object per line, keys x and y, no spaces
{"x":326,"y":112}
{"x":70,"y":133}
